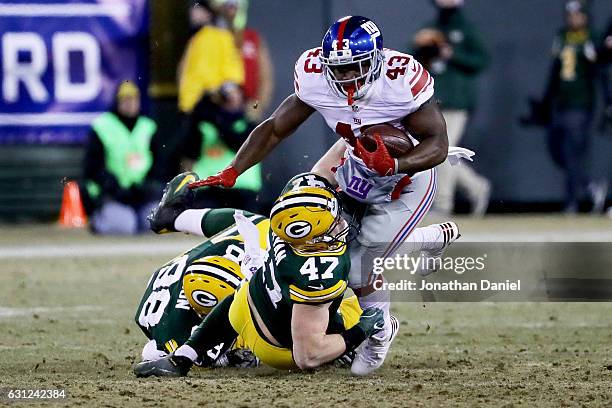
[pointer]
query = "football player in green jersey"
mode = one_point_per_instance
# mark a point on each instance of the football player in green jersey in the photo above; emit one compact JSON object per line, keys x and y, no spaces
{"x":183,"y":291}
{"x":287,"y":313}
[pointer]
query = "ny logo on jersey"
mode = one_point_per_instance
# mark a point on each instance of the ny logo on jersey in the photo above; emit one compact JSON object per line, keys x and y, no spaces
{"x":359,"y":187}
{"x":357,"y":121}
{"x":371,"y":29}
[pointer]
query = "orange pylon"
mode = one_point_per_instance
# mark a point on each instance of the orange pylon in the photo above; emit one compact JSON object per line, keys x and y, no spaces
{"x":72,"y":213}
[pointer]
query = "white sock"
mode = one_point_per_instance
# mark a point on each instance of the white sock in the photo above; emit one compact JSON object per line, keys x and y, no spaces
{"x":190,"y":221}
{"x":186,"y":351}
{"x":424,"y":238}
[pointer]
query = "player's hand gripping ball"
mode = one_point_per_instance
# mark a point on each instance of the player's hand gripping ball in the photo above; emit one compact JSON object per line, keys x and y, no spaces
{"x":379,"y":145}
{"x":378,"y":160}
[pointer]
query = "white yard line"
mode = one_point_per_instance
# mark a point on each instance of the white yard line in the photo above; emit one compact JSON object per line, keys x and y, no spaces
{"x":95,"y":250}
{"x":25,"y":311}
{"x":76,"y":250}
{"x":539,"y":236}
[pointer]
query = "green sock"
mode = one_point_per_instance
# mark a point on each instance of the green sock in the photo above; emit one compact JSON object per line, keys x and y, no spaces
{"x":214,"y":330}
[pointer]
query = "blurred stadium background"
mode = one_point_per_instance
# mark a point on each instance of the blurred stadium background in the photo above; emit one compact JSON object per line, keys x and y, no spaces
{"x":41,"y":137}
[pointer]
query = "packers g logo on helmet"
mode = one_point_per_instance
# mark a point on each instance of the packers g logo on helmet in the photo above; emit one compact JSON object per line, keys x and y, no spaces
{"x":298,"y":229}
{"x":209,"y":280}
{"x":303,"y":214}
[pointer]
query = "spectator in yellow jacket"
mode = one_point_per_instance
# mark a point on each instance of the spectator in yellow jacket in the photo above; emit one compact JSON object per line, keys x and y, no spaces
{"x":210,"y":59}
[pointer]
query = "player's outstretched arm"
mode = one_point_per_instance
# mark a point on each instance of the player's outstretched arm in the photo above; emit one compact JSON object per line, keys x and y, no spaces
{"x":289,"y":115}
{"x":311,"y":346}
{"x":428,"y":126}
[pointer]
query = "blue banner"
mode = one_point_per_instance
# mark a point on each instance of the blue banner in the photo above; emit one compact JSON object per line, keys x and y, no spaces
{"x":61,"y":62}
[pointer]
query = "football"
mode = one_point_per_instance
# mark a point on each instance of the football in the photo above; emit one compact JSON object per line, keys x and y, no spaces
{"x":397,"y":142}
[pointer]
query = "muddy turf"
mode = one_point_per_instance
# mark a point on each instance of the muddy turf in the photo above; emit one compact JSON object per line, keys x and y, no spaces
{"x":66,"y":322}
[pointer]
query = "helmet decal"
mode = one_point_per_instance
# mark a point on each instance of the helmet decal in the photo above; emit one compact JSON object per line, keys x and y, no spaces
{"x":298,"y":229}
{"x":216,"y":272}
{"x":371,"y":29}
{"x":307,"y":217}
{"x":209,"y":280}
{"x":204,"y":298}
{"x":306,"y":180}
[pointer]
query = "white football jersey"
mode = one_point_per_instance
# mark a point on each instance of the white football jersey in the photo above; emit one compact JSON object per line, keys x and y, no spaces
{"x":402,"y":87}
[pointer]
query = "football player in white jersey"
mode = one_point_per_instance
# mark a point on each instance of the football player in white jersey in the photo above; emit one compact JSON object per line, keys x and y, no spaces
{"x":354,"y":82}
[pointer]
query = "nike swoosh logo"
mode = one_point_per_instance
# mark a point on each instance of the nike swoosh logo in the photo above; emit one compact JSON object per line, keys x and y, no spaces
{"x":379,"y":326}
{"x":185,"y":181}
{"x":320,"y":287}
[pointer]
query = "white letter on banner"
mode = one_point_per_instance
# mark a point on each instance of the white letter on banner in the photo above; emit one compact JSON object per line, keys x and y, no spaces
{"x":30,"y":73}
{"x":65,"y":90}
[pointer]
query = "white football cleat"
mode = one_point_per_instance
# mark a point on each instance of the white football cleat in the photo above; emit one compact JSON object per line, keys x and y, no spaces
{"x":449,"y":233}
{"x":373,"y":351}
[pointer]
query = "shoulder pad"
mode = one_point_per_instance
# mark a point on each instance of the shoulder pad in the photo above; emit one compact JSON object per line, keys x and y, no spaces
{"x":308,"y":73}
{"x":406,"y":80}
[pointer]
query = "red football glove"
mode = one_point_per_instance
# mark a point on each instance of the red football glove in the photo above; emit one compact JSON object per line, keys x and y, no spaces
{"x":379,"y":160}
{"x":225,"y":178}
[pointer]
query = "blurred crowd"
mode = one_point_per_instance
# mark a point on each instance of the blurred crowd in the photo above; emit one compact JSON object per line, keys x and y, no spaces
{"x":455,"y":55}
{"x":225,"y":83}
{"x":567,"y":109}
{"x":453,"y":52}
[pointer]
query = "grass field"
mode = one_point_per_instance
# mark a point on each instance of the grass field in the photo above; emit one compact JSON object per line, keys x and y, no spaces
{"x":66,"y":321}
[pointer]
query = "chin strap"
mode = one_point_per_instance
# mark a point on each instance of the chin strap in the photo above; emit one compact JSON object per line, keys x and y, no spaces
{"x":350,"y":92}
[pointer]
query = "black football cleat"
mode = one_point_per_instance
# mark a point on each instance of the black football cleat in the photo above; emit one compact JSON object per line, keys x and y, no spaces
{"x":239,"y":358}
{"x":169,"y":366}
{"x":176,"y":199}
{"x":345,"y":360}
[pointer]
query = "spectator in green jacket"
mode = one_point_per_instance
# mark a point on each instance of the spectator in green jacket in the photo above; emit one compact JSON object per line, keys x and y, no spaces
{"x":217,"y":129}
{"x":120,"y":190}
{"x":452,"y":51}
{"x":570,"y":97}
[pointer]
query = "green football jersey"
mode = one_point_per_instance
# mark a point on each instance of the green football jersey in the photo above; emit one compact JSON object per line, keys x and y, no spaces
{"x":164,"y":313}
{"x":290,"y":277}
